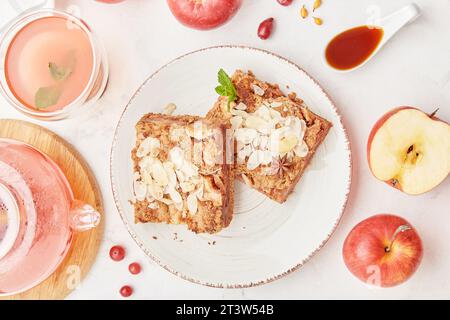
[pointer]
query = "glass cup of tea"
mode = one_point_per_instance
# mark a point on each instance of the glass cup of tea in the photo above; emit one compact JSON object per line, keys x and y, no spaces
{"x":52,"y":65}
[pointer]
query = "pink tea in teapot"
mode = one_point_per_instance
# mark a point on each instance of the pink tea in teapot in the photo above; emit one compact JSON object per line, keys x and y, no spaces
{"x":34,"y":228}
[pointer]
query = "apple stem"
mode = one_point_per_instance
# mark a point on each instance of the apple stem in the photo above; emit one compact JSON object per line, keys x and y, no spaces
{"x":434,"y":113}
{"x":400,"y":229}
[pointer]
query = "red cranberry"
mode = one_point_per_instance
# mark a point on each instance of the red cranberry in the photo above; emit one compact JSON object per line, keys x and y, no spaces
{"x":126,"y":291}
{"x":134,"y":268}
{"x":265,"y":29}
{"x":117,"y":253}
{"x":285,"y":2}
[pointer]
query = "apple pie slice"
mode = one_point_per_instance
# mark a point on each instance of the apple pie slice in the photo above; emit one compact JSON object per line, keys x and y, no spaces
{"x":276,"y":136}
{"x":181,"y":173}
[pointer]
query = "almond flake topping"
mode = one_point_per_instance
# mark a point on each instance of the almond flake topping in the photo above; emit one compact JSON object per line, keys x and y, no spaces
{"x":148,"y":146}
{"x":192,"y":203}
{"x":258,"y":90}
{"x":241,"y":106}
{"x":170,"y":108}
{"x":177,"y":181}
{"x":265,"y":134}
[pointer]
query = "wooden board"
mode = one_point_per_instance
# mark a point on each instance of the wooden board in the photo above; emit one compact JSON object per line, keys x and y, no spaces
{"x":85,"y":245}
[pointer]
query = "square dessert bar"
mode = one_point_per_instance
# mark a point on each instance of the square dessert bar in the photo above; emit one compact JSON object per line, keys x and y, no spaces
{"x":276,"y":135}
{"x":181,"y":172}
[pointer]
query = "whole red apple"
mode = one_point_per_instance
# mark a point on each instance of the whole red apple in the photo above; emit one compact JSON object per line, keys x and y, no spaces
{"x":410,"y":150}
{"x":384,"y":250}
{"x":204,"y":14}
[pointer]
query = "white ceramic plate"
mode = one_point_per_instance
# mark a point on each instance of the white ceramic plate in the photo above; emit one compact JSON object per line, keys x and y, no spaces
{"x":265,"y":240}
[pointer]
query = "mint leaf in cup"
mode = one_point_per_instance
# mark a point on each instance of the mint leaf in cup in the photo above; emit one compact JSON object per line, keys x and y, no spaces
{"x":59,"y":73}
{"x":47,"y":96}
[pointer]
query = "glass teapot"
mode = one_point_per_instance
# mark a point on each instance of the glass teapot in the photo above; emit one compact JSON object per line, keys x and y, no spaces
{"x":38,"y":215}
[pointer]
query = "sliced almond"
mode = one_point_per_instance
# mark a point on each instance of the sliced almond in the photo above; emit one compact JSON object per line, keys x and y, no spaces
{"x":236,"y":122}
{"x":301,"y":150}
{"x":278,"y":134}
{"x":159,"y":174}
{"x":255,"y":122}
{"x":170,"y":171}
{"x":246,"y":151}
{"x":147,"y":177}
{"x":179,"y":205}
{"x":155,"y":191}
{"x":153,"y":205}
{"x":255,"y":160}
{"x":241,"y":106}
{"x":176,"y":156}
{"x":140,"y":190}
{"x":290,"y":156}
{"x":198,"y":131}
{"x":276,"y":104}
{"x":187,"y":186}
{"x":258,"y":90}
{"x":264,"y":143}
{"x":240,"y":113}
{"x":263,"y":112}
{"x":274,"y":114}
{"x":200,"y":191}
{"x":267,"y":157}
{"x":287,"y":143}
{"x":192,"y":203}
{"x":166,"y":201}
{"x":177,"y":133}
{"x":210,"y":153}
{"x":256,"y":142}
{"x":218,"y":182}
{"x":170,"y":108}
{"x":245,"y":135}
{"x":215,"y":197}
{"x":175,"y":195}
{"x":180,"y":176}
{"x":298,"y":127}
{"x":189,"y":170}
{"x":241,"y":157}
{"x":149,"y":145}
{"x":145,"y":163}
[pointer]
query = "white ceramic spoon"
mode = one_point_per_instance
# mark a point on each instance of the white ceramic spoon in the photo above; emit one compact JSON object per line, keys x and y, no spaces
{"x":390,"y":24}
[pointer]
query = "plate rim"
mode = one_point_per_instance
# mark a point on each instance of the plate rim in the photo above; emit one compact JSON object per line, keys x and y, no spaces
{"x":179,"y":273}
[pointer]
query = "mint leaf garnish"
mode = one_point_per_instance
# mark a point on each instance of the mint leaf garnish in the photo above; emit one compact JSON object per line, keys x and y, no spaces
{"x":47,"y":96}
{"x":59,"y":73}
{"x":226,"y":88}
{"x":221,"y":91}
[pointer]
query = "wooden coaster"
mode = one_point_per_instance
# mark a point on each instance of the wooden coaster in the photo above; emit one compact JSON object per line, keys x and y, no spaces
{"x":85,"y":245}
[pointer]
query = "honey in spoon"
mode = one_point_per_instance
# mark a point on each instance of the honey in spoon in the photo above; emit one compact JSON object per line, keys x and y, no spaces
{"x":353,"y":47}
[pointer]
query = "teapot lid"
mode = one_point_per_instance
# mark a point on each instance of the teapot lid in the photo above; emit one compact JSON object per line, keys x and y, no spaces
{"x":9,"y":220}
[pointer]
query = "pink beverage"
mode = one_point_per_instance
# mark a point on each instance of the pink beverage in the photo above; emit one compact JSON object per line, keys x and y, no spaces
{"x":49,"y":63}
{"x":36,"y":216}
{"x":42,"y":236}
{"x":52,"y":64}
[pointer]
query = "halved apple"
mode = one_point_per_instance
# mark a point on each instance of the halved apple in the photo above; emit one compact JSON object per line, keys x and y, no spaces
{"x":410,"y":150}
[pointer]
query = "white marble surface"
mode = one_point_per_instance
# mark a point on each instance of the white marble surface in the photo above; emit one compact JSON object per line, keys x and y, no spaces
{"x":413,"y":69}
